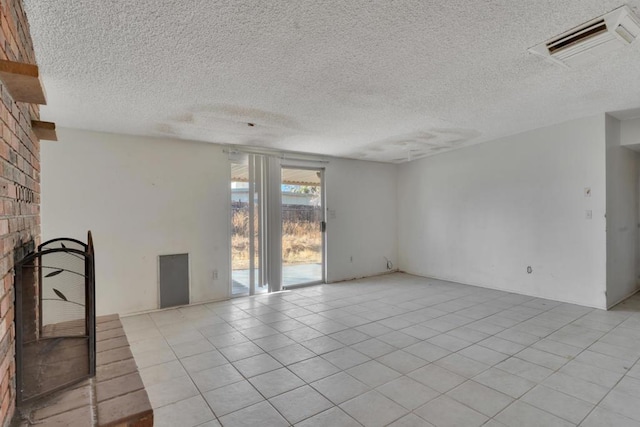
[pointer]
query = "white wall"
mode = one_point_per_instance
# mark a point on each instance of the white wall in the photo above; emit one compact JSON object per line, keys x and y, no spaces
{"x":630,"y":132}
{"x":482,"y":214}
{"x":143,"y":197}
{"x":630,"y":138}
{"x":362,"y":218}
{"x":622,"y":215}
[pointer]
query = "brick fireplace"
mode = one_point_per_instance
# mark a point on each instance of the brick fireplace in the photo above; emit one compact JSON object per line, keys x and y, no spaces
{"x":19,"y":191}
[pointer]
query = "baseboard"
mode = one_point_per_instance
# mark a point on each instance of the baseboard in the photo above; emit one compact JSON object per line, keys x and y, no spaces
{"x":154,"y":310}
{"x":635,"y":291}
{"x":495,"y":288}
{"x":383,"y":273}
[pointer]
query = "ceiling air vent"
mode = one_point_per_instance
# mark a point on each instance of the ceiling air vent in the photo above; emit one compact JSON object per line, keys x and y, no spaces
{"x":612,"y":31}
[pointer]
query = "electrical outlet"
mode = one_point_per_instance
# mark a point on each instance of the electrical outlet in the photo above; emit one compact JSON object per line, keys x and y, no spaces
{"x":215,"y":274}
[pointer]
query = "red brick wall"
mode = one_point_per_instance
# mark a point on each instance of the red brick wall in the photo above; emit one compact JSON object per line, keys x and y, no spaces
{"x":19,"y":190}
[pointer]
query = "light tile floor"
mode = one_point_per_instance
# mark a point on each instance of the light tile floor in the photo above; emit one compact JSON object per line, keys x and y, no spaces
{"x":394,"y":350}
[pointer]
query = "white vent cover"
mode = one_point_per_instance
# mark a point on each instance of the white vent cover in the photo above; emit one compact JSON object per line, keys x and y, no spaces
{"x":609,"y":32}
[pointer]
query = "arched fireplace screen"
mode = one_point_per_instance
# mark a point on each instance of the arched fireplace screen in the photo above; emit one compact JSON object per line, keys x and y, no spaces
{"x":55,"y":317}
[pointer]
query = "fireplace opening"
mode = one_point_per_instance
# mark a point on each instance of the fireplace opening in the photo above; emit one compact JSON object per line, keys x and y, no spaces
{"x":55,"y":318}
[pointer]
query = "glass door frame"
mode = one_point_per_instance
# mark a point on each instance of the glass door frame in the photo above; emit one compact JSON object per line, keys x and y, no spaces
{"x":323,"y":204}
{"x":256,"y":180}
{"x":264,"y":173}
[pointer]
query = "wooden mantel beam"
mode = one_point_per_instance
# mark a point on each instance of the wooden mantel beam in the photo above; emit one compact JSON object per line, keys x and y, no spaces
{"x":23,"y":82}
{"x":44,"y":130}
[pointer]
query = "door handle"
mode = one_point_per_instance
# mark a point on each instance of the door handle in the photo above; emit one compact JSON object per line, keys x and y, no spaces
{"x":323,"y":226}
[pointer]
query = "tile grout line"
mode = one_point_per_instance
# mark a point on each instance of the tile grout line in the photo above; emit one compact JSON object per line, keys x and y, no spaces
{"x":391,"y":316}
{"x":419,"y":323}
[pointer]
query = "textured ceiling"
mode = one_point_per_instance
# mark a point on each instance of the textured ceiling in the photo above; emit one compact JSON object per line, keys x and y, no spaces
{"x":386,"y":80}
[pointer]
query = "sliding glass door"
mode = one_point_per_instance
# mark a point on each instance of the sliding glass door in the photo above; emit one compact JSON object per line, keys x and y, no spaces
{"x":303,"y":226}
{"x":277,"y":224}
{"x":247,"y":225}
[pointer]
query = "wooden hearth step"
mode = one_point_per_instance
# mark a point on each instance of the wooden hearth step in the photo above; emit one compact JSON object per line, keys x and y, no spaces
{"x":73,"y":407}
{"x":120,"y":397}
{"x":120,"y":394}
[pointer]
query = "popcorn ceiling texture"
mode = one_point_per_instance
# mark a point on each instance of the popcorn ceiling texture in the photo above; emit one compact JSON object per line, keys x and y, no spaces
{"x":387,"y":80}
